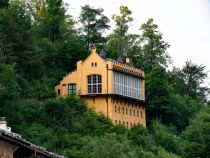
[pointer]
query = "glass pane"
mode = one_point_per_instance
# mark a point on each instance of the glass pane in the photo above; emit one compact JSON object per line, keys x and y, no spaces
{"x":94,"y":78}
{"x":69,"y":88}
{"x":89,"y":89}
{"x":89,"y":79}
{"x":93,"y":81}
{"x":99,"y":88}
{"x":99,"y":79}
{"x":74,"y":87}
{"x":94,"y":89}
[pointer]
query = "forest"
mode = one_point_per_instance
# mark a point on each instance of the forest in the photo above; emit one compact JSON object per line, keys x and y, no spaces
{"x":40,"y":42}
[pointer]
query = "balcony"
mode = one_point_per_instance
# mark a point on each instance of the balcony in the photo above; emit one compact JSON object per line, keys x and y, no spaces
{"x":131,"y":95}
{"x":122,"y":93}
{"x":102,"y":92}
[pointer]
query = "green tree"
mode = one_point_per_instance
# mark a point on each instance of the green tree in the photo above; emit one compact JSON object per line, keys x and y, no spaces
{"x":56,"y":41}
{"x":42,"y":89}
{"x":182,"y":109}
{"x":94,"y":24}
{"x":139,"y":136}
{"x":160,"y":152}
{"x":120,"y":42}
{"x":122,"y":21}
{"x":9,"y":87}
{"x":189,"y":81}
{"x":4,"y":3}
{"x":16,"y":40}
{"x":38,"y":134}
{"x":153,"y":50}
{"x":197,"y":135}
{"x":39,"y":9}
{"x":53,"y":19}
{"x":176,"y":80}
{"x":194,"y":76}
{"x":158,"y":94}
{"x":109,"y":146}
{"x":165,"y":104}
{"x":166,"y":137}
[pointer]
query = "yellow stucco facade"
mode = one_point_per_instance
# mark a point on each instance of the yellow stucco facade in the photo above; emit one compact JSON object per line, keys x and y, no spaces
{"x":116,"y":89}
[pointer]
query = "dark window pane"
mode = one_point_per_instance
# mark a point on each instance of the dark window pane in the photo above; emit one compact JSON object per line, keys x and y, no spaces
{"x":99,"y":89}
{"x":99,"y":79}
{"x":94,"y":89}
{"x":71,"y":88}
{"x":94,"y":84}
{"x":94,"y":78}
{"x":74,"y":87}
{"x":89,"y":89}
{"x":89,"y":79}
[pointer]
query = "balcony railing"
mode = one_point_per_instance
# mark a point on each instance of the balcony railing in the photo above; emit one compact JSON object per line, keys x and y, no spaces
{"x":121,"y":93}
{"x":80,"y":92}
{"x":130,"y":95}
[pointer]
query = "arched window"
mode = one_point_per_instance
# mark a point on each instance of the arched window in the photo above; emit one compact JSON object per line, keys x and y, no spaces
{"x":94,"y":84}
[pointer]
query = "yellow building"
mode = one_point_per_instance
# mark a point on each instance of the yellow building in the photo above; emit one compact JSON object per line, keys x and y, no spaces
{"x":114,"y":88}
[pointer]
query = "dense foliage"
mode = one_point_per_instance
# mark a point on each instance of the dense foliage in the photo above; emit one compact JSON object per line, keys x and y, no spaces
{"x":40,"y":43}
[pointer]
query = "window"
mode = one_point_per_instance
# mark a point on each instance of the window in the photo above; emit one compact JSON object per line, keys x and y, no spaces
{"x":134,"y":113}
{"x":141,"y":114}
{"x":119,"y":122}
{"x":127,"y":124}
{"x":127,"y":85}
{"x":123,"y":110}
{"x":137,"y":113}
{"x":115,"y":122}
{"x":131,"y":125}
{"x":71,"y":88}
{"x":94,"y":84}
{"x":95,"y":64}
{"x":126,"y":111}
{"x":115,"y":109}
{"x":130,"y":112}
{"x":119,"y":109}
{"x":59,"y":91}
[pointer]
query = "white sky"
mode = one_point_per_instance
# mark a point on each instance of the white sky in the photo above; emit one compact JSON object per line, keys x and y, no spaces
{"x":185,"y":24}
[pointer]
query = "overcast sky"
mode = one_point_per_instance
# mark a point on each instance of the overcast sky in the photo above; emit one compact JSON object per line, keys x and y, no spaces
{"x":185,"y":24}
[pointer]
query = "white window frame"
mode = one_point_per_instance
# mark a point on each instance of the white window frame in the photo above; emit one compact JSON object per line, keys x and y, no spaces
{"x":94,"y":84}
{"x":127,"y":85}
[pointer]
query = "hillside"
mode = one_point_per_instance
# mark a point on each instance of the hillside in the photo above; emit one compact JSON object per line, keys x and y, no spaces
{"x":39,"y":44}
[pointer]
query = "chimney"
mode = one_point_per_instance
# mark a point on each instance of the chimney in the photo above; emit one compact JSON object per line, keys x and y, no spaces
{"x":103,"y":54}
{"x":123,"y":59}
{"x":127,"y":60}
{"x":3,"y":124}
{"x":93,"y":49}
